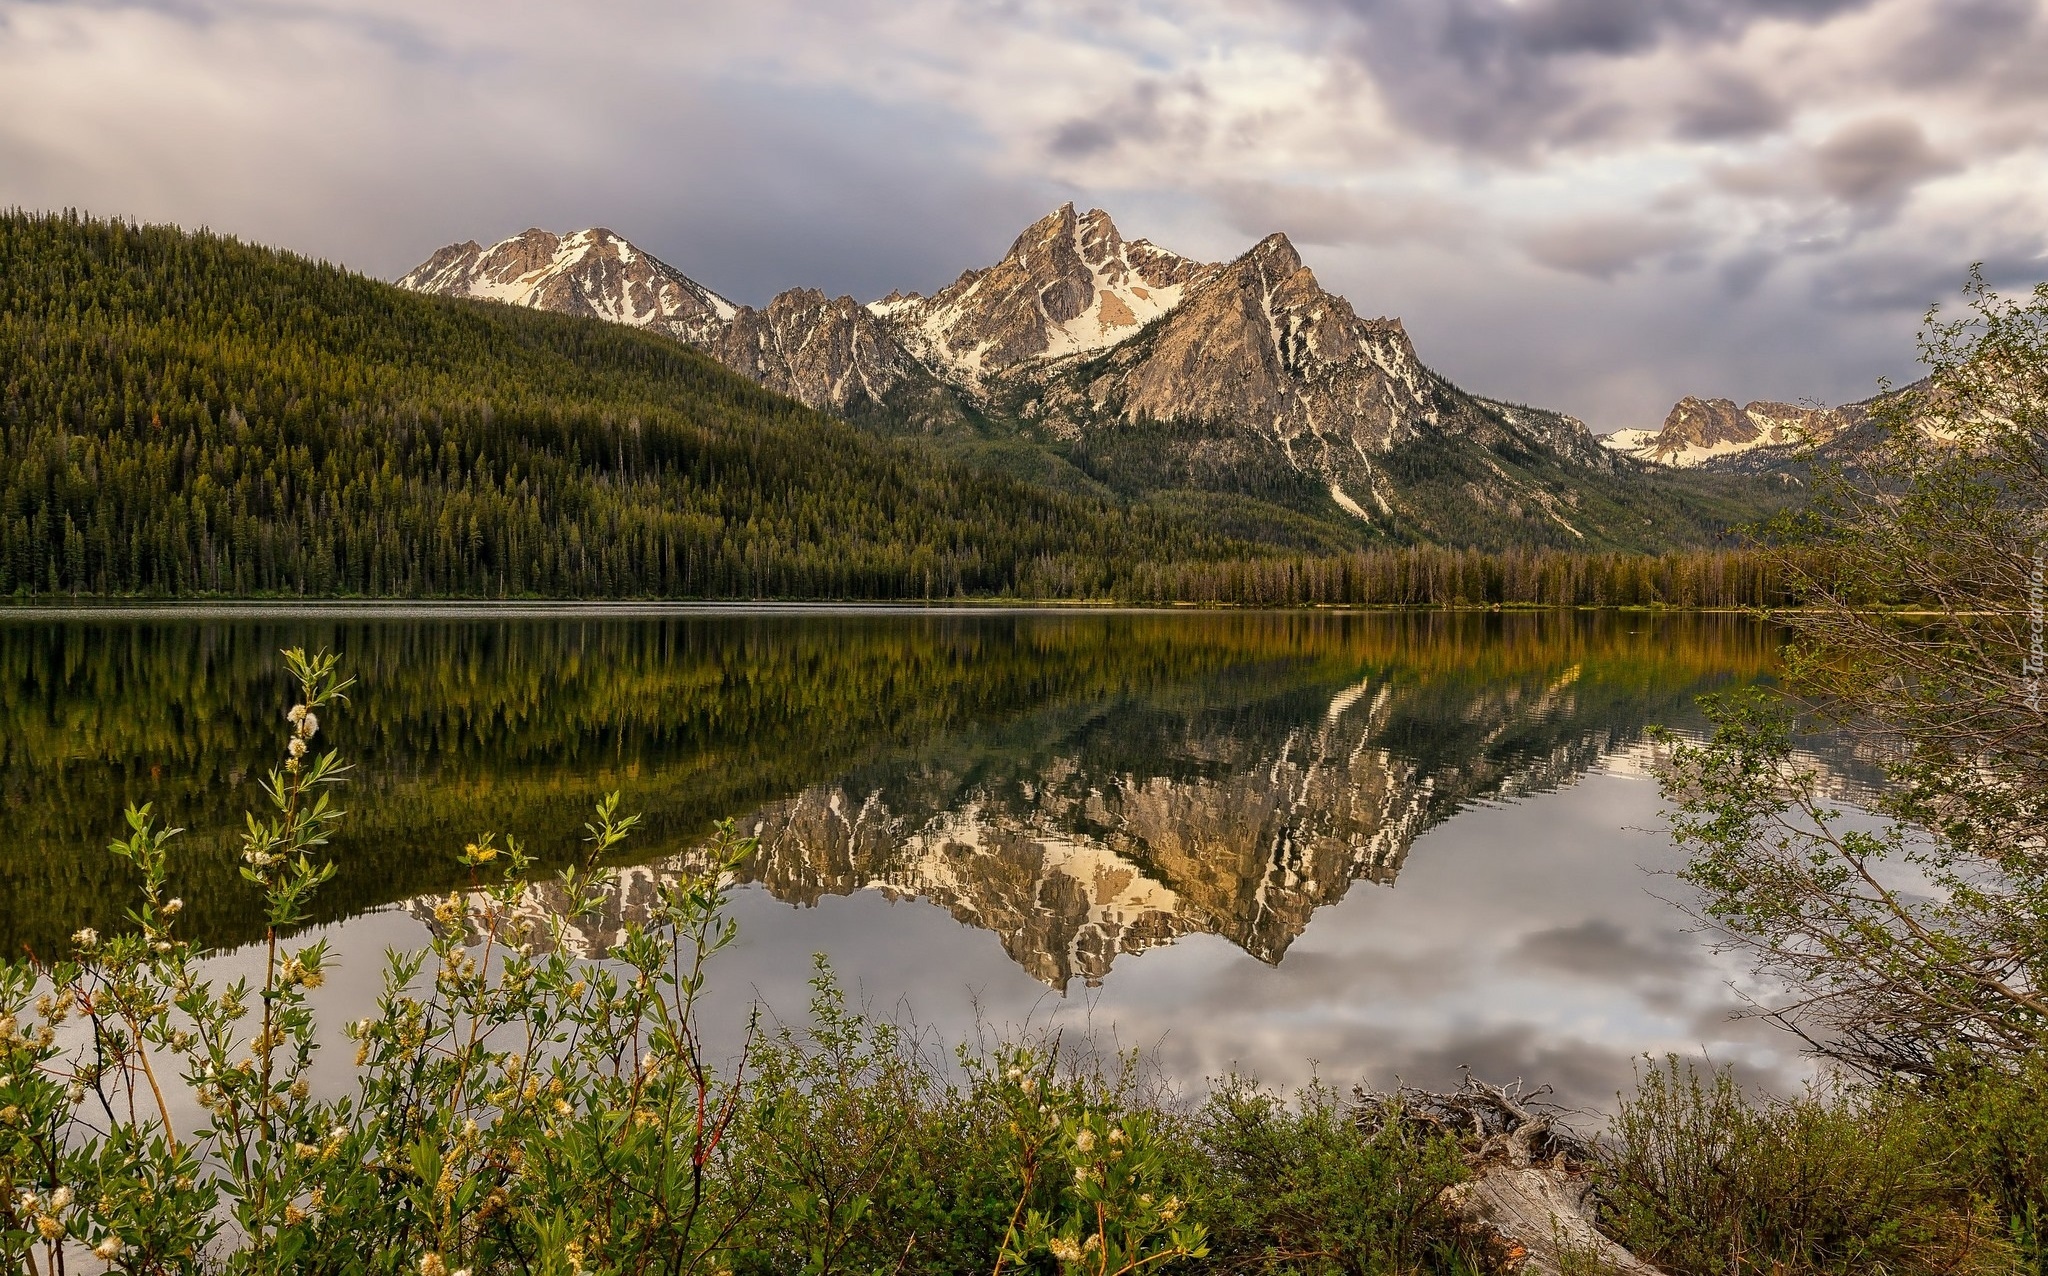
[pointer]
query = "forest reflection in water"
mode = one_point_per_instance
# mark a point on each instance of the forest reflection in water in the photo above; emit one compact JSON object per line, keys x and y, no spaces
{"x":1393,"y":843}
{"x":1082,"y":785}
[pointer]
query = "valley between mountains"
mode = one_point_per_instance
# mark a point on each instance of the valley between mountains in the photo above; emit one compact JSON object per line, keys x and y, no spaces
{"x":1241,"y":395}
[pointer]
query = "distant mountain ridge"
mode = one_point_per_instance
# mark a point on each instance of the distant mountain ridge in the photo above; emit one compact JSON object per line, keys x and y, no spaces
{"x":1700,"y":432}
{"x":1241,"y":391}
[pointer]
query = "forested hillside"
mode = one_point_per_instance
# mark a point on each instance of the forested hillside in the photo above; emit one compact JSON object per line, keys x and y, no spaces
{"x":182,"y":413}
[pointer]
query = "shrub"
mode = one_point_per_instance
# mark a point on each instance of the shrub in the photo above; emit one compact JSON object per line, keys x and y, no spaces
{"x":1998,"y":1124}
{"x":888,"y":1160}
{"x":521,"y":1108}
{"x":1299,"y":1188}
{"x":1844,"y":1178}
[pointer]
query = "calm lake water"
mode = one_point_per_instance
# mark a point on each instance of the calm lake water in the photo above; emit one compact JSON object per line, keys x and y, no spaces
{"x":1379,"y":845}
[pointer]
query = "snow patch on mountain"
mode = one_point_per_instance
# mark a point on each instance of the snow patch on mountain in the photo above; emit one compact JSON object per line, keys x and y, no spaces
{"x":1345,"y":503}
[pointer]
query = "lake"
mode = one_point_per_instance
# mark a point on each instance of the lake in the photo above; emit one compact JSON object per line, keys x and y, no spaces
{"x":1377,"y":845}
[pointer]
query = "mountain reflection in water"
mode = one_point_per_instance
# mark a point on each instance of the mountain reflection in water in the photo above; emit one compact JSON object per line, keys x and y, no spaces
{"x":1082,"y":785}
{"x":1235,"y":804}
{"x":1142,"y":823}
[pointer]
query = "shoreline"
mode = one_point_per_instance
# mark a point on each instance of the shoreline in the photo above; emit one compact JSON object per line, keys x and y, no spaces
{"x":627,"y":608}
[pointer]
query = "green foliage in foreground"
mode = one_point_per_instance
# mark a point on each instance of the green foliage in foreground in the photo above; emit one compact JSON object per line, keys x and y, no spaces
{"x":1846,"y":1178}
{"x":517,"y":1107}
{"x":1913,"y":944}
{"x":1292,"y":1186}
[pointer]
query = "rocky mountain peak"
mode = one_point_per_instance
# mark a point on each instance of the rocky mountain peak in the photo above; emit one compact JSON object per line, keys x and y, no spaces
{"x":1050,"y":232}
{"x":1095,"y":235}
{"x":1259,"y":359}
{"x":1069,"y":285}
{"x":1269,"y":378}
{"x":828,"y":352}
{"x":1276,"y":253}
{"x":1696,"y":422}
{"x":594,"y":272}
{"x":1261,"y":342}
{"x":531,"y":249}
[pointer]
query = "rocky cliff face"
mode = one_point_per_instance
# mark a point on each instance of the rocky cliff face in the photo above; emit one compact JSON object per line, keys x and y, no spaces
{"x":1069,"y":285}
{"x":1261,"y":342}
{"x":829,"y":353}
{"x":1260,"y":345}
{"x":1699,"y":431}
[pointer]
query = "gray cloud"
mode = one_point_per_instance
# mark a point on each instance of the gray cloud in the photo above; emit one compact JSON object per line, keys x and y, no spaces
{"x":1868,"y":166}
{"x":1729,"y":105}
{"x":1501,"y":77}
{"x":1744,"y":272}
{"x":826,"y":196}
{"x":1877,"y":162}
{"x":1963,"y":40}
{"x":1313,"y":215}
{"x":1147,"y":113}
{"x":371,"y":140}
{"x":1082,"y":136}
{"x":1891,"y":278}
{"x":1602,"y":247}
{"x":1620,"y":352}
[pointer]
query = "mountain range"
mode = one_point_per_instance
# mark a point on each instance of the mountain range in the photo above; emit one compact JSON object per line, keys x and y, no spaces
{"x":1242,"y":393}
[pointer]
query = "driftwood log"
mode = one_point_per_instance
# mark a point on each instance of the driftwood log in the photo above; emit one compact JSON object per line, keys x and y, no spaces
{"x":1526,"y":1209}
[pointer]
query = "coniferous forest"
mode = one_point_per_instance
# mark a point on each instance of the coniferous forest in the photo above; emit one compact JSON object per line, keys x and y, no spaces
{"x":186,"y":415}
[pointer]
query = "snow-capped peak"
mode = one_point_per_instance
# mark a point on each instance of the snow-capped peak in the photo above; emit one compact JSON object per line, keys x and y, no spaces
{"x":592,"y":272}
{"x":1070,"y":285}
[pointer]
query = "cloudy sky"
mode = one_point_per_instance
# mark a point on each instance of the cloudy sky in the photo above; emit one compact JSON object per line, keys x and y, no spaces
{"x":1594,"y":205}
